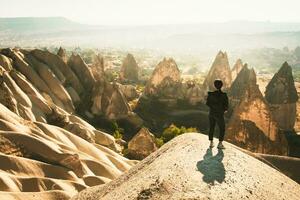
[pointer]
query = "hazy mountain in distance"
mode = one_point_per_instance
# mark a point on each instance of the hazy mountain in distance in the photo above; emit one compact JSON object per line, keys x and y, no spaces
{"x":232,"y":35}
{"x":38,"y":24}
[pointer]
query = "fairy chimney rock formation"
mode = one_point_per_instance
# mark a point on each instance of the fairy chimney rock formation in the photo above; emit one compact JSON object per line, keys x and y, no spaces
{"x":220,"y":69}
{"x":236,"y":69}
{"x":282,"y":96}
{"x":166,"y":73}
{"x":252,"y":125}
{"x":237,"y":89}
{"x":82,"y":70}
{"x":129,"y":69}
{"x":98,"y":67}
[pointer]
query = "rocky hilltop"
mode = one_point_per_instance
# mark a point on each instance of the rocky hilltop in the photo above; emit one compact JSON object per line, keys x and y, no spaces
{"x":220,"y":69}
{"x":185,"y":169}
{"x":282,"y":96}
{"x":129,"y":69}
{"x":251,"y":124}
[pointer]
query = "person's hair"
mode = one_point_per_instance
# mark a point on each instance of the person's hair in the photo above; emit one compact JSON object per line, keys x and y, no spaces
{"x":218,"y":84}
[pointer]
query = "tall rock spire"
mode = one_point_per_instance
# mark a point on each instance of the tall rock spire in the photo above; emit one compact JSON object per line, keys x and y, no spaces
{"x":252,"y":125}
{"x":236,"y":69}
{"x":282,"y":96}
{"x":129,"y":69}
{"x":219,"y":70}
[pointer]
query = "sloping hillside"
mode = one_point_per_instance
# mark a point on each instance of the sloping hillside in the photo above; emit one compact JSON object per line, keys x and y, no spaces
{"x":46,"y":150}
{"x":186,"y":169}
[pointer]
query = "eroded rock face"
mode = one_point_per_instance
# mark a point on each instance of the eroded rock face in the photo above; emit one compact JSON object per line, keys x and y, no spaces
{"x":164,"y":73}
{"x":5,"y":62}
{"x":193,"y":93}
{"x":282,"y":96}
{"x":129,"y":92}
{"x":165,"y":76}
{"x":252,"y":125}
{"x":142,"y":144}
{"x":236,"y":69}
{"x":129,"y":69}
{"x":245,"y":78}
{"x":220,"y":69}
{"x":98,"y":67}
{"x":52,"y":158}
{"x":109,"y":101}
{"x":166,"y":86}
{"x":82,"y":70}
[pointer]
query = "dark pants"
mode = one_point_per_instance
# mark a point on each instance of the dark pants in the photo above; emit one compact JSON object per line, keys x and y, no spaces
{"x":219,"y":119}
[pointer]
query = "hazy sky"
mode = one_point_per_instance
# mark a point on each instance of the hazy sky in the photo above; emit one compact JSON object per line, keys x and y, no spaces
{"x":130,"y":12}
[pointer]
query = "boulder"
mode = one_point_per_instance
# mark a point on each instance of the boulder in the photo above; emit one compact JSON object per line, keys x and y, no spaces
{"x":142,"y":144}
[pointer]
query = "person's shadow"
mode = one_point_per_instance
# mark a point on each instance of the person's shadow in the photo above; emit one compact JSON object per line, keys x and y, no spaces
{"x":212,"y":167}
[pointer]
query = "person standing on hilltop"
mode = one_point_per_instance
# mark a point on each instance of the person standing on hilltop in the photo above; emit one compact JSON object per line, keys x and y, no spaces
{"x":217,"y":102}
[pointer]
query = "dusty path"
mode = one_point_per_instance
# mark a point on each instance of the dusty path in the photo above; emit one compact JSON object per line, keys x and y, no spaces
{"x":185,"y":169}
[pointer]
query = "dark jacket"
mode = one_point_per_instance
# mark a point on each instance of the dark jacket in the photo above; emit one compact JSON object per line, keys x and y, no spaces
{"x":217,"y":101}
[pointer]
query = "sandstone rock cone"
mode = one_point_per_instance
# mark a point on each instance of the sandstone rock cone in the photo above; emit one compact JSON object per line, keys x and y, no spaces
{"x":185,"y":168}
{"x":236,"y":69}
{"x":237,"y":89}
{"x":282,"y":96}
{"x":220,"y":69}
{"x":142,"y":144}
{"x":252,"y":125}
{"x":98,"y":67}
{"x":129,"y":69}
{"x":82,"y":70}
{"x":165,"y":75}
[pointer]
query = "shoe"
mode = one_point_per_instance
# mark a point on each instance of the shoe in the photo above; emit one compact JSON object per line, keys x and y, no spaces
{"x":221,"y":146}
{"x":211,"y":144}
